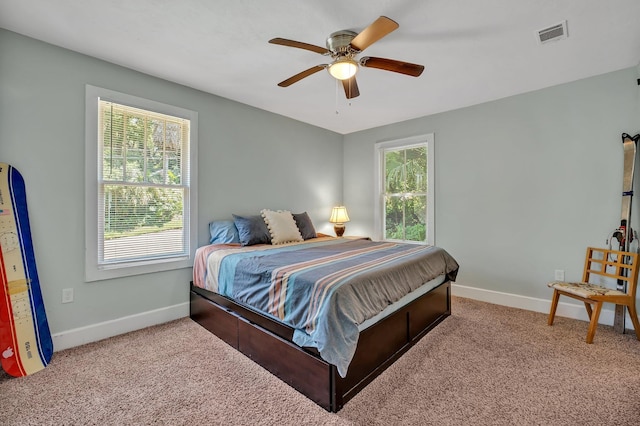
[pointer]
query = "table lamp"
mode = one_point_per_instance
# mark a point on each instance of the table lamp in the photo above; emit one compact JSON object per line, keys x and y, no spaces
{"x":338,"y":217}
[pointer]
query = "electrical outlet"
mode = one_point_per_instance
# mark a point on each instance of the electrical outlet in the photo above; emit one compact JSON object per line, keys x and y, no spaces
{"x":67,"y":295}
{"x":559,"y":275}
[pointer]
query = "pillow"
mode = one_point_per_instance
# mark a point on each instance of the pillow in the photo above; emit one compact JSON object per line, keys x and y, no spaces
{"x":252,"y":230}
{"x":282,"y":227}
{"x":303,"y":221}
{"x":223,"y":232}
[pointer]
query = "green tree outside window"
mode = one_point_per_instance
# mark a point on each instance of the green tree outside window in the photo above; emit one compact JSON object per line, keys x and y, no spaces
{"x":405,"y":194}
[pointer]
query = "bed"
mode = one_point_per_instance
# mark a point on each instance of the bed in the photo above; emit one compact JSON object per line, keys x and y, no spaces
{"x":324,"y":314}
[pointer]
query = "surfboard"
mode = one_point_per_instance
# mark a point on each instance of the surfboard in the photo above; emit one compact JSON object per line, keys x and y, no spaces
{"x":25,"y":339}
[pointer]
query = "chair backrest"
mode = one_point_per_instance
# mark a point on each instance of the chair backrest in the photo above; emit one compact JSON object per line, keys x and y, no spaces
{"x":624,"y":264}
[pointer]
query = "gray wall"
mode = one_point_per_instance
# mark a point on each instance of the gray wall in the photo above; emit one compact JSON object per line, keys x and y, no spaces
{"x":249,"y":159}
{"x":523,"y":184}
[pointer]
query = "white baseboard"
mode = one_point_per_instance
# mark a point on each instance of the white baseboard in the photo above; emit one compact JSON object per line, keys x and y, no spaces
{"x":569,"y":310}
{"x":93,"y":333}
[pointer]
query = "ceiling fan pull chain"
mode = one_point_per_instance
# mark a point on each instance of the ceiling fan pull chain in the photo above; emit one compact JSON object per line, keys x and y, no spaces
{"x":336,"y":92}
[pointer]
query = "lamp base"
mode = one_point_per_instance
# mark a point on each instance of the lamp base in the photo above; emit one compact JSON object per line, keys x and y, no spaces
{"x":339,"y":228}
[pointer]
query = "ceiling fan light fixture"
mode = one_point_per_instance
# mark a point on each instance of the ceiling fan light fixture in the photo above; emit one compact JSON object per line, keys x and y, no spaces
{"x":343,"y":68}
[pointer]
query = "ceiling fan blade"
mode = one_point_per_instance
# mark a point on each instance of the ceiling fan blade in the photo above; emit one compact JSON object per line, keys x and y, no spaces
{"x":406,"y":68}
{"x":374,"y":32}
{"x":300,"y":45}
{"x":351,"y":87}
{"x":306,"y":73}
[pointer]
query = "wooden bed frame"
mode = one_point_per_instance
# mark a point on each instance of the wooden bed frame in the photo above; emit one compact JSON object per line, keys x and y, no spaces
{"x":269,"y":343}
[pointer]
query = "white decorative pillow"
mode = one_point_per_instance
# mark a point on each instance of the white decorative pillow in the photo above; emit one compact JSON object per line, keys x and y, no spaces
{"x":282,"y":226}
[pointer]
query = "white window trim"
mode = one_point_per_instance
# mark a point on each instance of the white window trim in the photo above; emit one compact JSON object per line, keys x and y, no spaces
{"x":93,"y":271}
{"x":379,"y":182}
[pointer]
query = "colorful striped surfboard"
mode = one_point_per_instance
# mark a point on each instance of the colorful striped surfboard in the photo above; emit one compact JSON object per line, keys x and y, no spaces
{"x":25,"y":340}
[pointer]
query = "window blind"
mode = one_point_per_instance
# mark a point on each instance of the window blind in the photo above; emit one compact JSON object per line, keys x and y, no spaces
{"x":143,"y":185}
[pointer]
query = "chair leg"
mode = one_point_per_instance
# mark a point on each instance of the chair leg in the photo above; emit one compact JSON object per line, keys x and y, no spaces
{"x":594,"y":322}
{"x":634,"y":318}
{"x":554,"y":306}
{"x":588,"y":306}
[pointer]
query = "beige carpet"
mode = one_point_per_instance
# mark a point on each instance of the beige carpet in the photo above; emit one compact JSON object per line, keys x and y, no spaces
{"x":484,"y":365}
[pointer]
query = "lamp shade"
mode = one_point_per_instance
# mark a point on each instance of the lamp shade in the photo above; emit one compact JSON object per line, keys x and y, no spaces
{"x":339,"y":215}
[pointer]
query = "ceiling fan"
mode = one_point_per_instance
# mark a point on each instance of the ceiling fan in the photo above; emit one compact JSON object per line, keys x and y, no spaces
{"x":343,"y":47}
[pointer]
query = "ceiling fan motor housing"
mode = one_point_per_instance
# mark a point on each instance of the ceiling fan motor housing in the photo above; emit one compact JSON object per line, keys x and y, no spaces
{"x":339,"y":42}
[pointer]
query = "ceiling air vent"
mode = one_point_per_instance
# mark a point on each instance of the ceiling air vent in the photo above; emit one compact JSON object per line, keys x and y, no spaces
{"x":554,"y":33}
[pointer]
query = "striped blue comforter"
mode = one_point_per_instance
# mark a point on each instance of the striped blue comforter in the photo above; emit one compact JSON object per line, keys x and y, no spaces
{"x":322,"y":288}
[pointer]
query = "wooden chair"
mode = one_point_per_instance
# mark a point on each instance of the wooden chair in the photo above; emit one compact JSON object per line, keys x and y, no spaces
{"x":617,"y":265}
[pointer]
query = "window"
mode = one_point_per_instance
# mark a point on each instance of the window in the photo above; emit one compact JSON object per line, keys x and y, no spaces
{"x":405,"y":190}
{"x":140,"y":198}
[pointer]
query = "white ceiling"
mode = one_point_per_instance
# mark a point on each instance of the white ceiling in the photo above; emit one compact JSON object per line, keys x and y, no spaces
{"x":473,"y":50}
